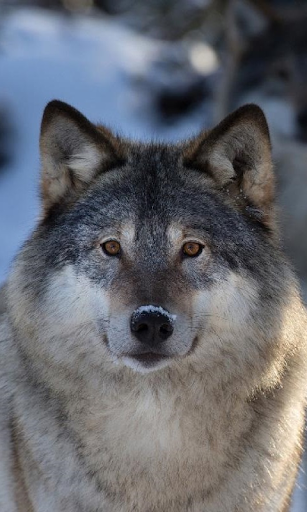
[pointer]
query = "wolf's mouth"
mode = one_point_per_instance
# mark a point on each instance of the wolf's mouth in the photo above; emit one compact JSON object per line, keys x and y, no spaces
{"x":146,"y":362}
{"x":149,"y":358}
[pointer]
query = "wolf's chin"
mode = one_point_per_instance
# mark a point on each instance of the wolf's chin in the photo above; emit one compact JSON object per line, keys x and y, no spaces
{"x":146,"y":364}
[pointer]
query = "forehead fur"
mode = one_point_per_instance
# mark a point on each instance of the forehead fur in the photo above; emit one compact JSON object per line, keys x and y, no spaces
{"x":151,"y":191}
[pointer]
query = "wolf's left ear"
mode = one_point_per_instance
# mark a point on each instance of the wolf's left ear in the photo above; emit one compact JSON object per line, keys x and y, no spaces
{"x":73,"y":152}
{"x":237,"y":155}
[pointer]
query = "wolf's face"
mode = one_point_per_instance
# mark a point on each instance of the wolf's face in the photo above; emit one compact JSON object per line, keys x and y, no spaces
{"x":151,"y":255}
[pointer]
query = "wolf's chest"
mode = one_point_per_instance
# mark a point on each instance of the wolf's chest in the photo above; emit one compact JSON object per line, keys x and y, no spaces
{"x":151,"y":446}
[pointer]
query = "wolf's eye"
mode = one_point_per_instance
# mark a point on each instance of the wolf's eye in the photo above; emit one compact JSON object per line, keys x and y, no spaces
{"x":111,"y":247}
{"x":192,"y":249}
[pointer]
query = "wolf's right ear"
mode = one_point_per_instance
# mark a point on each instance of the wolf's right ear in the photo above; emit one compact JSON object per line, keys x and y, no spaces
{"x":73,"y":152}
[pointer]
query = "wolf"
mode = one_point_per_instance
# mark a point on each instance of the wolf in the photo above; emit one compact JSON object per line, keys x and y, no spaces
{"x":153,"y":339}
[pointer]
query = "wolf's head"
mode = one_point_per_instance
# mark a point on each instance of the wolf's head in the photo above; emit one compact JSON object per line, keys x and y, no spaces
{"x":152,"y":255}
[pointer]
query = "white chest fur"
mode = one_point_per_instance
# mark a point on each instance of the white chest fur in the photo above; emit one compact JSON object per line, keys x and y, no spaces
{"x":151,"y":443}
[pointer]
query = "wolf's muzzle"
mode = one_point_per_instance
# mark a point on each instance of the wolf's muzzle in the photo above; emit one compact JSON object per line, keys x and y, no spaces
{"x":152,"y":325}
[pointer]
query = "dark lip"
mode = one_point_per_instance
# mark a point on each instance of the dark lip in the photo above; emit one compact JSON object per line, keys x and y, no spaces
{"x":148,"y":356}
{"x":143,"y":355}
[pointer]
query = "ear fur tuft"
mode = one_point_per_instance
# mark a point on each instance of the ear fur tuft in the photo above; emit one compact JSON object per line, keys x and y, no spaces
{"x":73,"y":152}
{"x":237,"y":155}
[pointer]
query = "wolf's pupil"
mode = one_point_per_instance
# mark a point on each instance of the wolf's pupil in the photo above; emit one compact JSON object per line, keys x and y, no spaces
{"x":111,"y":248}
{"x":192,"y":249}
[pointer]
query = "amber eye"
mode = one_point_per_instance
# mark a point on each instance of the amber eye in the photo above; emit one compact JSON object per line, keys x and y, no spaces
{"x":111,"y":247}
{"x":192,"y":249}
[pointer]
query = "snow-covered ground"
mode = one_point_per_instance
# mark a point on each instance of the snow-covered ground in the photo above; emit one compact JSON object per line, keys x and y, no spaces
{"x":92,"y":64}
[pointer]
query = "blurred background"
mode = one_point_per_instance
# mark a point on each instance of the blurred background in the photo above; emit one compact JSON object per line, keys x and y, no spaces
{"x":160,"y":69}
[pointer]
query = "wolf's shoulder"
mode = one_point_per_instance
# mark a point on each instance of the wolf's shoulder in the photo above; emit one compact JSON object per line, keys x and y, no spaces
{"x":2,"y":300}
{"x":7,"y":364}
{"x":7,"y":359}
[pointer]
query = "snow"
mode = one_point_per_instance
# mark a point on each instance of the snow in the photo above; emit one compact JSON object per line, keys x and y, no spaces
{"x":154,"y":309}
{"x":94,"y":65}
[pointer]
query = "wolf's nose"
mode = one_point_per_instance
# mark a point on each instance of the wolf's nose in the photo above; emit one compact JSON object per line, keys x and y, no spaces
{"x":151,"y":325}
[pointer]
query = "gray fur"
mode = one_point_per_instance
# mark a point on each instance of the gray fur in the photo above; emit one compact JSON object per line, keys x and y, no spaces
{"x":217,"y":425}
